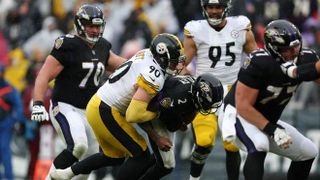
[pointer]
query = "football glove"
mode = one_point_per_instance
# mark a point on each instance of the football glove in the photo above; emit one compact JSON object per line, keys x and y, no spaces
{"x":39,"y":112}
{"x":278,"y":134}
{"x":287,"y":68}
{"x":282,"y":138}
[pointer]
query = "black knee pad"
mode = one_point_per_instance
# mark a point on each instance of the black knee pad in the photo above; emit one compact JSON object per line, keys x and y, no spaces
{"x":64,"y":160}
{"x":200,"y":154}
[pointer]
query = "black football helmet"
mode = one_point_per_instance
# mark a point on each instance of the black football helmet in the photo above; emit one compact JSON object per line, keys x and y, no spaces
{"x":215,"y":21}
{"x":207,"y":93}
{"x":168,"y":51}
{"x":281,"y":34}
{"x":89,"y":15}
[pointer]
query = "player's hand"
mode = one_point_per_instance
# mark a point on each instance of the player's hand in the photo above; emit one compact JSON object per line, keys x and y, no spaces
{"x":288,"y":69}
{"x":39,"y":112}
{"x":282,"y":138}
{"x":164,"y":144}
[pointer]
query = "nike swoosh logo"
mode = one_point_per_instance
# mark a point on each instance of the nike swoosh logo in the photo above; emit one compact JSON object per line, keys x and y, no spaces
{"x":152,"y":79}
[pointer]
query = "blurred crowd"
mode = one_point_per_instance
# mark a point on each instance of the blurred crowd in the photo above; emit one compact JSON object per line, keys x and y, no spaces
{"x":28,"y":29}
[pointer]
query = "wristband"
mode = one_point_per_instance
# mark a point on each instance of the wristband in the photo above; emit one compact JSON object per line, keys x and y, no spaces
{"x":39,"y":103}
{"x":269,"y":129}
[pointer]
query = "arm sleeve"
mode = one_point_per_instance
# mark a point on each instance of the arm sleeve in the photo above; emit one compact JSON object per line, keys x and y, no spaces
{"x":137,"y":112}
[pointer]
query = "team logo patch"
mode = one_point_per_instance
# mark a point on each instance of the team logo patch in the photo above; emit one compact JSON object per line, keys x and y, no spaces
{"x":161,"y":48}
{"x":234,"y":34}
{"x":246,"y":63}
{"x":58,"y":43}
{"x":274,"y":36}
{"x":165,"y":102}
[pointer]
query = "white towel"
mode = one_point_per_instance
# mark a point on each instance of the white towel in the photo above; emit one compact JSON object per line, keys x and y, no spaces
{"x":228,"y":129}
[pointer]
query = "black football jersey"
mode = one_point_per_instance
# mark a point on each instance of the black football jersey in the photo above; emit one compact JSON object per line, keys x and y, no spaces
{"x":175,"y":101}
{"x":83,"y":68}
{"x":262,"y":71}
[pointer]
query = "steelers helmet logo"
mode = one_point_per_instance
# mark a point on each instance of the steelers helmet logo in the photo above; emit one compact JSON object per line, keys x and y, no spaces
{"x":161,"y":48}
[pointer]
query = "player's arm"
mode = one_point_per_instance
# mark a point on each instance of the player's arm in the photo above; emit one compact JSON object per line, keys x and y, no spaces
{"x":49,"y":71}
{"x":114,"y":61}
{"x":163,"y":143}
{"x":250,"y":44}
{"x":245,"y":99}
{"x":190,"y":51}
{"x":304,"y":72}
{"x":137,"y":110}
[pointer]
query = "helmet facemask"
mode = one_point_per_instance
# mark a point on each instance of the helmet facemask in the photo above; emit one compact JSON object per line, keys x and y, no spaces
{"x":89,"y":16}
{"x":215,"y":21}
{"x":91,"y":38}
{"x":175,"y":66}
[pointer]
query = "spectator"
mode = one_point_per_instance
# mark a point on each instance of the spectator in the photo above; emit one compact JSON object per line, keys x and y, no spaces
{"x":11,"y":112}
{"x":41,"y":42}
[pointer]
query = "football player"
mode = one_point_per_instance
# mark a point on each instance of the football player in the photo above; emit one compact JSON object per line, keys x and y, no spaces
{"x":258,"y":98}
{"x":122,"y":101}
{"x":178,"y":103}
{"x":76,"y":62}
{"x":218,"y":42}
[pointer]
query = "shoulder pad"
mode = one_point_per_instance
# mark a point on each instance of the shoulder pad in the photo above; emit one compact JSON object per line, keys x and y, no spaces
{"x":191,"y":27}
{"x":241,"y":22}
{"x":70,"y":36}
{"x":151,"y":82}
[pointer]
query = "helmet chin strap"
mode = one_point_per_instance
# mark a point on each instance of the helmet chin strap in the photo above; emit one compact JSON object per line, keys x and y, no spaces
{"x":91,"y":40}
{"x":213,"y":21}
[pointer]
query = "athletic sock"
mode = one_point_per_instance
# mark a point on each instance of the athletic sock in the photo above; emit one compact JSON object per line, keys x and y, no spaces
{"x":299,"y":170}
{"x":254,"y":166}
{"x":233,"y":161}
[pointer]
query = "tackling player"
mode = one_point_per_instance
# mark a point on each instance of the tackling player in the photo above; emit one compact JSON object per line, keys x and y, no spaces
{"x":178,"y":103}
{"x":123,"y":100}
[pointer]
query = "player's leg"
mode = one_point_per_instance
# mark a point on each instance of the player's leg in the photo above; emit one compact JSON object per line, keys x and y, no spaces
{"x":86,"y":165}
{"x":256,"y":143}
{"x":165,"y":161}
{"x":302,"y":152}
{"x":67,"y":122}
{"x":117,"y":139}
{"x":204,"y":130}
{"x":233,"y":160}
{"x":135,"y":167}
